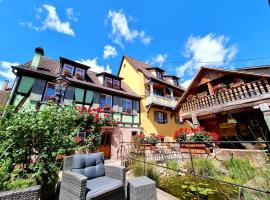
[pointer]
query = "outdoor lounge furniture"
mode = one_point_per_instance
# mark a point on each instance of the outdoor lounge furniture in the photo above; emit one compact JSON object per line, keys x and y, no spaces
{"x":141,"y":188}
{"x":29,"y":193}
{"x":86,"y":177}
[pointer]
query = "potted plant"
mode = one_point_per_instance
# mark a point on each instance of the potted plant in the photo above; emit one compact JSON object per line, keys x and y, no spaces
{"x":202,"y":94}
{"x":238,"y":82}
{"x":191,"y":97}
{"x":181,"y":135}
{"x":107,"y":107}
{"x":79,"y":76}
{"x":67,"y":73}
{"x":218,"y":88}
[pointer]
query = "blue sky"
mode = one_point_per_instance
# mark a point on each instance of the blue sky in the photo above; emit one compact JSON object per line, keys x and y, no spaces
{"x":177,"y":35}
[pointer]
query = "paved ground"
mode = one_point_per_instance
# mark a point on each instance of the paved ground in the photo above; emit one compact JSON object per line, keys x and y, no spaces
{"x":161,"y":195}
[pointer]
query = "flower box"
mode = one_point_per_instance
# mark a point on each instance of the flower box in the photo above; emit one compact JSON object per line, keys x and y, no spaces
{"x":191,"y":97}
{"x":79,"y":77}
{"x":67,"y":73}
{"x":29,"y":193}
{"x":218,"y":87}
{"x":202,"y":94}
{"x":194,"y":149}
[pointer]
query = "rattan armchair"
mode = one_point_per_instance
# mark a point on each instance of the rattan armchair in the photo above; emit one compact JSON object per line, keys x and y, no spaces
{"x":85,"y":177}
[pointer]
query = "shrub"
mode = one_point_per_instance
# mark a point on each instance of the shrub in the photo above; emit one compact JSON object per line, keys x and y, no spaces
{"x":240,"y":170}
{"x":171,"y":164}
{"x":203,"y":166}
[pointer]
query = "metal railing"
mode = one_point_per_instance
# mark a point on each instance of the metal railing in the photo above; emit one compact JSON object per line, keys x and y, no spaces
{"x":190,"y":154}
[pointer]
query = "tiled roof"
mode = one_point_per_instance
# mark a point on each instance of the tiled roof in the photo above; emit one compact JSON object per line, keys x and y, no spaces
{"x":50,"y":67}
{"x":144,"y":68}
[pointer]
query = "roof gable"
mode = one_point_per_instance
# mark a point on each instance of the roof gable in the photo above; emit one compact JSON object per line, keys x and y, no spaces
{"x":206,"y":74}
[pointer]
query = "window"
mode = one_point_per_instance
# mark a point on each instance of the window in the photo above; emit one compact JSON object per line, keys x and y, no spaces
{"x":79,"y":73}
{"x":49,"y":92}
{"x":108,"y":81}
{"x":159,"y":92}
{"x":159,"y":75}
{"x":116,"y":84}
{"x":175,"y":82}
{"x":68,"y":70}
{"x":160,"y":117}
{"x":127,"y":106}
{"x":106,"y":102}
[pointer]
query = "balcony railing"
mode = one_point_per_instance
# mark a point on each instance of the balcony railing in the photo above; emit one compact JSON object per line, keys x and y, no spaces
{"x":248,"y":92}
{"x":161,"y":101}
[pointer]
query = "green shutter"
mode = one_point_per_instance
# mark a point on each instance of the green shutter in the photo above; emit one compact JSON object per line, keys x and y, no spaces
{"x":26,"y":84}
{"x":89,"y":97}
{"x":135,"y":106}
{"x":79,"y":95}
{"x":117,"y":116}
{"x":37,"y":90}
{"x":17,"y":100}
{"x":115,"y":103}
{"x":96,"y":100}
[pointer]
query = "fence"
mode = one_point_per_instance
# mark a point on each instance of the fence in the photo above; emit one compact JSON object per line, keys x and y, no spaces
{"x":202,"y":170}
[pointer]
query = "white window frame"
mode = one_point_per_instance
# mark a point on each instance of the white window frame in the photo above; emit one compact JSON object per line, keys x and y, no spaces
{"x":106,"y":100}
{"x":105,"y":82}
{"x":119,"y":84}
{"x":125,"y":103}
{"x":68,"y":66}
{"x":81,"y":72}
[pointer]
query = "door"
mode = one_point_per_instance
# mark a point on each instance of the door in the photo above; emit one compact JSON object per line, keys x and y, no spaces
{"x":105,"y":145}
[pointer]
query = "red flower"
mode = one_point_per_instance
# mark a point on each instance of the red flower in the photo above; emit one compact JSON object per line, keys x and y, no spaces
{"x":78,"y":139}
{"x":215,"y":136}
{"x":99,"y":110}
{"x":106,"y":115}
{"x":89,"y":110}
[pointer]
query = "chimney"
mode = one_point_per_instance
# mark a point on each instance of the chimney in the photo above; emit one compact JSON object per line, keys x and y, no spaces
{"x":5,"y":85}
{"x":39,"y":52}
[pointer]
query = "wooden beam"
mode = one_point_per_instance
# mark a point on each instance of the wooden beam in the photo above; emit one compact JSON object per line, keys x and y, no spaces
{"x":210,"y":88}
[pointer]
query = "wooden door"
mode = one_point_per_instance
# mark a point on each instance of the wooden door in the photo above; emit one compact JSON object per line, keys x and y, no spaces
{"x":105,"y":145}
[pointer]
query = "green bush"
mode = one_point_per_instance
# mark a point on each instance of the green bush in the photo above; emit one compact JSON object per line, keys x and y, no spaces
{"x":203,"y":166}
{"x":240,"y":170}
{"x":137,"y":168}
{"x":20,"y":183}
{"x":171,"y":164}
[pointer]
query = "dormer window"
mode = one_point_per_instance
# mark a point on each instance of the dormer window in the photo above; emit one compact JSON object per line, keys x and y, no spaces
{"x":175,"y":82}
{"x":68,"y":70}
{"x":79,"y":73}
{"x":107,"y":81}
{"x":116,"y":84}
{"x":159,"y":75}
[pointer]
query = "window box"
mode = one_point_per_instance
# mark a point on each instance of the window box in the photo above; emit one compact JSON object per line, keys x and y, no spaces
{"x":79,"y":77}
{"x":66,"y":73}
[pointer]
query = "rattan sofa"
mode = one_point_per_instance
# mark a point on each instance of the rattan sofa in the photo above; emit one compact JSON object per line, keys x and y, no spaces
{"x":85,"y":177}
{"x":29,"y":193}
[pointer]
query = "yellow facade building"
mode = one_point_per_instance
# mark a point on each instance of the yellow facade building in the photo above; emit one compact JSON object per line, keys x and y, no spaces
{"x":159,"y":92}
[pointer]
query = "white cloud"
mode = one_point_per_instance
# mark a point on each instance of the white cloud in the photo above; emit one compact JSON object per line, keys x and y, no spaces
{"x":159,"y":59}
{"x":210,"y":48}
{"x":109,"y":51}
{"x":121,"y":29}
{"x":51,"y":21}
{"x":186,"y":83}
{"x":94,"y":65}
{"x":71,"y":14}
{"x":6,"y":70}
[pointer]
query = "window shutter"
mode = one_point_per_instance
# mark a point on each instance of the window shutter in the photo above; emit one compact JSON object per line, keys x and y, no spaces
{"x":69,"y":95}
{"x":165,"y":118}
{"x":115,"y":103}
{"x":37,"y":90}
{"x":89,"y":97}
{"x":26,"y":84}
{"x":79,"y":95}
{"x":135,"y":105}
{"x":120,"y":104}
{"x":96,"y":100}
{"x":156,"y":116}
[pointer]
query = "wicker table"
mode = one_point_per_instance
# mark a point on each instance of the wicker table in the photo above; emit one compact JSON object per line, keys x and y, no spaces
{"x":142,"y":188}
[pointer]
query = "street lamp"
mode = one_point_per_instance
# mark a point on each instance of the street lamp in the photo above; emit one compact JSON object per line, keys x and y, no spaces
{"x":60,"y":88}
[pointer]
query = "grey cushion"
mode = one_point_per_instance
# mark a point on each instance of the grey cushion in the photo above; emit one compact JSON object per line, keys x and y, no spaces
{"x":101,"y":185}
{"x":89,"y":165}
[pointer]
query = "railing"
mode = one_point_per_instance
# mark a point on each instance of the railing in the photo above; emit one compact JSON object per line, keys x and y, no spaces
{"x":162,"y":101}
{"x":246,"y":92}
{"x":202,"y":170}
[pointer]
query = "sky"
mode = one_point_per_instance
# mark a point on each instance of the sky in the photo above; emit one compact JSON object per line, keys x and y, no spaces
{"x":177,"y":35}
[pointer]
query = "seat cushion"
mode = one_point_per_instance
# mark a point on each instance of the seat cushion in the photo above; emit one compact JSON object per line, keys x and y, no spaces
{"x":101,"y":185}
{"x":89,"y":165}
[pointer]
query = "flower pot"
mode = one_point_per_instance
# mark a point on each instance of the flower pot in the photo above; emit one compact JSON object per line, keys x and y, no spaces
{"x":194,"y":148}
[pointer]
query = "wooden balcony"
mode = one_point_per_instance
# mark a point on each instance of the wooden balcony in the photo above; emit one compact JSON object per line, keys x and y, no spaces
{"x":247,"y":93}
{"x":161,"y":101}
